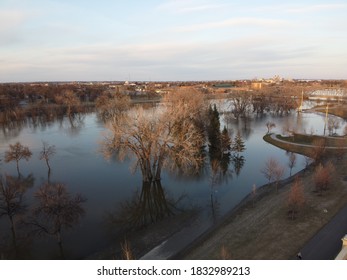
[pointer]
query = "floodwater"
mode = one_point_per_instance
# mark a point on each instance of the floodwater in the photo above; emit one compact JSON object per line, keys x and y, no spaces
{"x":109,"y":185}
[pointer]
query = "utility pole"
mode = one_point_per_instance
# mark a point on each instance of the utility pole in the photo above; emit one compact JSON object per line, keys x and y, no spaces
{"x":326,"y":118}
{"x":302,"y":102}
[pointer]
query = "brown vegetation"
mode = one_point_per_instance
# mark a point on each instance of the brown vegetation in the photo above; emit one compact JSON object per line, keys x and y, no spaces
{"x":296,"y":198}
{"x":167,"y":136}
{"x":263,"y":232}
{"x":17,"y":152}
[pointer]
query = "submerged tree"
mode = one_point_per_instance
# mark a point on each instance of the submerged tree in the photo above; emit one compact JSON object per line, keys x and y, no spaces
{"x":69,"y":99}
{"x":166,"y":136}
{"x":238,"y":144}
{"x":11,"y":204}
{"x":213,"y":133}
{"x":56,"y":210}
{"x":219,"y":144}
{"x":112,"y":105}
{"x":17,"y":152}
{"x":46,"y":153}
{"x":270,"y":125}
{"x":240,"y":105}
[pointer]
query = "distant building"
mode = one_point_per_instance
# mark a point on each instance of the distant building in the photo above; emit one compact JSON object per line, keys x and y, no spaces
{"x":223,"y":86}
{"x":328,"y":93}
{"x":256,"y":85}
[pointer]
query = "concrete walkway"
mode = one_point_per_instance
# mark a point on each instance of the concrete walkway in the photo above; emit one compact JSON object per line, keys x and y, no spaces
{"x":326,"y":244}
{"x":274,"y":137}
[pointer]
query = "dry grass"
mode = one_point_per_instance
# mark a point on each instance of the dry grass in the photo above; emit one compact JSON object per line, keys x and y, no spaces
{"x":266,"y":232}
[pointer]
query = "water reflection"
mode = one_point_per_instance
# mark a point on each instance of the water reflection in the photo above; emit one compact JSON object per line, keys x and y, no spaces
{"x":12,"y":206}
{"x":12,"y":121}
{"x":55,"y":210}
{"x":238,"y":162}
{"x":214,"y":190}
{"x":148,"y":206}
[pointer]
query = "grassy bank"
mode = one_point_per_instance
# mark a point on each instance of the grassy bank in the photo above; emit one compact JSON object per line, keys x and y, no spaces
{"x":334,"y":145}
{"x":263,"y":230}
{"x":266,"y":232}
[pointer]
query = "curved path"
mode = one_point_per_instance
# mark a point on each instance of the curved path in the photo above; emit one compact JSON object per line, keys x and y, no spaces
{"x":326,"y":243}
{"x":274,"y":137}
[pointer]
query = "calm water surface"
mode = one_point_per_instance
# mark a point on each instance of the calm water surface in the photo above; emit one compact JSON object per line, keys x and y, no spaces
{"x":79,"y":164}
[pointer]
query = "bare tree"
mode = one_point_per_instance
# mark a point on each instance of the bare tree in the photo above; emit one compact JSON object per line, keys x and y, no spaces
{"x":11,"y":203}
{"x":269,"y":169}
{"x":292,"y":162}
{"x":270,"y":125}
{"x":56,"y":209}
{"x":318,"y":150}
{"x":240,"y":105}
{"x":46,"y":153}
{"x":69,"y":99}
{"x":333,"y":124}
{"x":273,"y":171}
{"x":296,"y":198}
{"x":278,"y":174}
{"x":323,"y":176}
{"x":17,"y":152}
{"x":111,"y":105}
{"x":166,"y":136}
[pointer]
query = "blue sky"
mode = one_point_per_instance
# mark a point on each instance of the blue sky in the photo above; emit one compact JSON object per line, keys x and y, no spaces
{"x":67,"y":40}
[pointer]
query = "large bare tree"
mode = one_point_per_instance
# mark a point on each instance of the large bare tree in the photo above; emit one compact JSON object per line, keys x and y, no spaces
{"x":165,"y":136}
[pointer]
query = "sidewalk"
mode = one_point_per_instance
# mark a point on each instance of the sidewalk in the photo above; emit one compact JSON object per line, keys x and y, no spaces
{"x":326,"y":244}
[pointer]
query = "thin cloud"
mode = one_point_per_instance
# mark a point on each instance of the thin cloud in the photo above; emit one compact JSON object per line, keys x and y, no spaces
{"x":189,"y":6}
{"x":315,"y":8}
{"x":239,"y":22}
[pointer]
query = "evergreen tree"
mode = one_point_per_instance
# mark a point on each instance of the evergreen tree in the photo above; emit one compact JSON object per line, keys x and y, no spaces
{"x":213,"y":133}
{"x":238,"y":144}
{"x":225,"y":150}
{"x":225,"y":141}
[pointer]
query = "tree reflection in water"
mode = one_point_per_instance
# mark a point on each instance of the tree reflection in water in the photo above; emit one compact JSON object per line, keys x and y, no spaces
{"x":238,"y":162}
{"x":56,"y":209}
{"x":147,"y":207}
{"x":12,"y":190}
{"x":12,"y":121}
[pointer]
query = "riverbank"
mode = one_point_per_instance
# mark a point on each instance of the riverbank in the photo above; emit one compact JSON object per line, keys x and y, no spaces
{"x":263,"y":230}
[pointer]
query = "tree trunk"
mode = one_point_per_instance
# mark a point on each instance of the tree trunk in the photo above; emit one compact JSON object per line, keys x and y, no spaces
{"x":18,"y":168}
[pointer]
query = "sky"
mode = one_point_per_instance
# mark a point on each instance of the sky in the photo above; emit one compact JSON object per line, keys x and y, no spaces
{"x":171,"y":40}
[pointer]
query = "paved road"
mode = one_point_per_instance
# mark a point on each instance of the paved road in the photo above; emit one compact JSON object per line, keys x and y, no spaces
{"x":326,"y":244}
